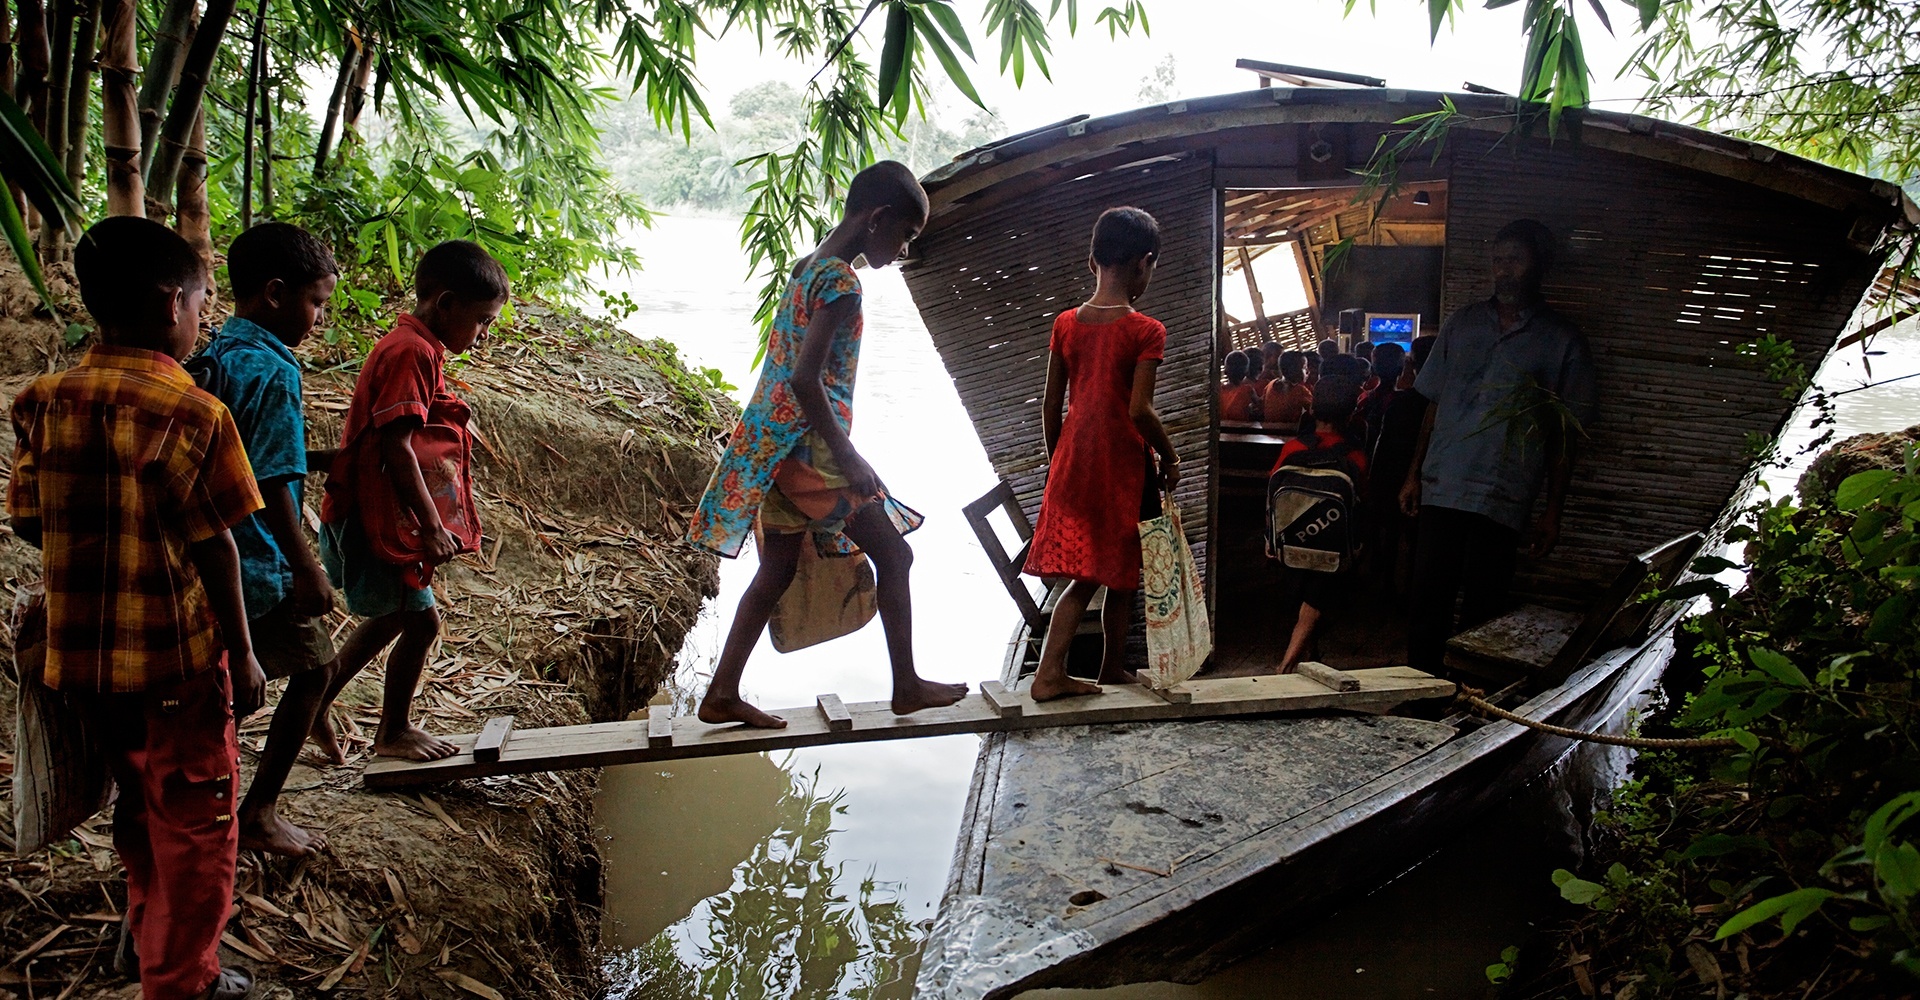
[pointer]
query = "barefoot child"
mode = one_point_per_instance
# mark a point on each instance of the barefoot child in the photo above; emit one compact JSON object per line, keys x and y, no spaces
{"x":791,"y":465}
{"x":128,"y":478}
{"x":459,"y":292}
{"x":1101,"y":478}
{"x":282,"y":278}
{"x":1331,"y":444}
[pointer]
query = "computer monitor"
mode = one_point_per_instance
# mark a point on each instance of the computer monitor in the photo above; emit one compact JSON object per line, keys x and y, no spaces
{"x":1398,"y":328}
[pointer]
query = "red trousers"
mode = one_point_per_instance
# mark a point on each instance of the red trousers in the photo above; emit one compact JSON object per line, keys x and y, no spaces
{"x":176,"y":762}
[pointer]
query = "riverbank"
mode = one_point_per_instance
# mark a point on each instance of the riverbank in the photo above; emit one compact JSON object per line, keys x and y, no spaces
{"x":1777,"y":867}
{"x":593,"y":446}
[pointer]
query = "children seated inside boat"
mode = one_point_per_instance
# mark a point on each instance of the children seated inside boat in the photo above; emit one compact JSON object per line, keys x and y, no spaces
{"x":1289,"y":397}
{"x":1268,"y":358}
{"x":1317,"y":546}
{"x":1236,"y":396}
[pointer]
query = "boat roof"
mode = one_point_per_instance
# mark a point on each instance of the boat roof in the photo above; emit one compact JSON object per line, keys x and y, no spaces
{"x":1157,"y":129}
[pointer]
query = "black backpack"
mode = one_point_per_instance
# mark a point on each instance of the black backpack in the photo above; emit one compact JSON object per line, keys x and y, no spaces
{"x":207,"y":372}
{"x":1311,"y":506}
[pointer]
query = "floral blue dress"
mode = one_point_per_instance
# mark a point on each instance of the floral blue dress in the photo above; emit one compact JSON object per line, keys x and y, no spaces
{"x":773,"y":422}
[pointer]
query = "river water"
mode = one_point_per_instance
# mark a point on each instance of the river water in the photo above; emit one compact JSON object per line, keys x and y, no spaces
{"x":812,"y":873}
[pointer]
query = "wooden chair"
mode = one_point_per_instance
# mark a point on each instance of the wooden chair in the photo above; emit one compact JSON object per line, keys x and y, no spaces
{"x":1544,"y":646}
{"x":1007,"y":567}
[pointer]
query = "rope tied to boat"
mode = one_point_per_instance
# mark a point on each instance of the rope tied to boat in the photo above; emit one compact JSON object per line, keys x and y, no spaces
{"x":1476,"y":699}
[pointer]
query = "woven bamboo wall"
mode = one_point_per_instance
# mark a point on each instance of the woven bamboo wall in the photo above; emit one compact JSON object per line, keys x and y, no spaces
{"x":1666,"y":271}
{"x":990,"y":285}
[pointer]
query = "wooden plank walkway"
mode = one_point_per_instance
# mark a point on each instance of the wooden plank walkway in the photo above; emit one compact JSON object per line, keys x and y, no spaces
{"x":829,"y":721}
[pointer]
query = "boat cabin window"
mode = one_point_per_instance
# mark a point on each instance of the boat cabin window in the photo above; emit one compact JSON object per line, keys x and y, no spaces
{"x":1300,"y":266}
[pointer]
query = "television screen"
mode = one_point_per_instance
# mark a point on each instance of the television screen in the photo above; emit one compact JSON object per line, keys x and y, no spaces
{"x":1398,"y":328}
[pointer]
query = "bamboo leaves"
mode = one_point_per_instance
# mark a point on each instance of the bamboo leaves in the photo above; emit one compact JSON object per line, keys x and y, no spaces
{"x":910,"y":24}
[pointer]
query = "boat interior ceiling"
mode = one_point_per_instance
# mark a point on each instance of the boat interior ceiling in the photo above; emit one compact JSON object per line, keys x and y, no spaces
{"x":1676,"y":247}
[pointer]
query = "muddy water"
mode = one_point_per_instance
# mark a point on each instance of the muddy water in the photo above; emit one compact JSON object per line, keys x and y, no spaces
{"x":812,"y":873}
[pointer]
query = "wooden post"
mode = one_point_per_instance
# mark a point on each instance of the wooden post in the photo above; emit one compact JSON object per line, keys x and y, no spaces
{"x":1302,"y":255}
{"x":1253,"y":292}
{"x":1328,"y":677}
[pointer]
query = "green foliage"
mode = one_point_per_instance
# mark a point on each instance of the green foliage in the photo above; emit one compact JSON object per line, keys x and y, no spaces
{"x":1793,"y":842}
{"x":27,"y":164}
{"x":1501,"y":971}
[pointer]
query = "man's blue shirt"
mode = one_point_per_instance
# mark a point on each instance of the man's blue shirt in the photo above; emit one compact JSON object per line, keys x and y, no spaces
{"x":263,"y":391}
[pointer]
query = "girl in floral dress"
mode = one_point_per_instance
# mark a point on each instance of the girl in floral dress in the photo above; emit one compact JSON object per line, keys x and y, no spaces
{"x":791,"y":466}
{"x":1101,"y":474}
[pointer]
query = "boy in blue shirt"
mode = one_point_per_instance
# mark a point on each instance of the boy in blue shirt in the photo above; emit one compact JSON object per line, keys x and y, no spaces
{"x":282,"y":277}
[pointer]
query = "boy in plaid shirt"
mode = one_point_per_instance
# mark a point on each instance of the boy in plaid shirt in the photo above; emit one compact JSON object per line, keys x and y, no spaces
{"x":128,"y":478}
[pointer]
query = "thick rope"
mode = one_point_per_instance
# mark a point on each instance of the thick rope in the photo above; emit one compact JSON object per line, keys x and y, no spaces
{"x":1474,"y":698}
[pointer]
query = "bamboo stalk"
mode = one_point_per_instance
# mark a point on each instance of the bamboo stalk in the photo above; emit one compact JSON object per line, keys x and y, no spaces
{"x":86,"y":57}
{"x":30,"y":87}
{"x":356,"y":98}
{"x":6,"y":52}
{"x":119,"y":114}
{"x":323,"y":145}
{"x":55,"y":131}
{"x":266,"y":142}
{"x":195,"y":218}
{"x":170,"y":41}
{"x":177,"y":130}
{"x":255,"y":65}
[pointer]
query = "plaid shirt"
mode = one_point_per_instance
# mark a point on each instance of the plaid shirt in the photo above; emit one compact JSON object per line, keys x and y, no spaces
{"x":126,"y":464}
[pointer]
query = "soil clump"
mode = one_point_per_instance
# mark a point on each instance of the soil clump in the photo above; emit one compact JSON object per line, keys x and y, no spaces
{"x":592,"y":448}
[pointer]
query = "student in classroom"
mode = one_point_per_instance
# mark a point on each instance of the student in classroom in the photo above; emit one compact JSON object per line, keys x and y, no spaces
{"x":129,"y":478}
{"x":1108,"y":456}
{"x":1389,"y":361}
{"x":1289,"y":397}
{"x":1268,"y":361}
{"x":1328,"y":445}
{"x":282,"y":277}
{"x":379,"y":486}
{"x":1237,"y":395}
{"x":791,"y":465}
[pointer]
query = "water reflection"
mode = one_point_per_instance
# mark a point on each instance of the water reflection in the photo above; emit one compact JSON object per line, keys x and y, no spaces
{"x":791,"y":925}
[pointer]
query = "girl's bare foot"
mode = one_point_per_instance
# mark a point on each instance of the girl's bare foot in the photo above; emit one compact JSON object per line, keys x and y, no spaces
{"x":414,"y":743}
{"x":717,"y":709}
{"x":1045,"y":689}
{"x":326,"y":743}
{"x":266,"y":831}
{"x":921,"y":694}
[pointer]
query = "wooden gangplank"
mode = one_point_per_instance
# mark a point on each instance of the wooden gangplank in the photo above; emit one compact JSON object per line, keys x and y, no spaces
{"x":828,"y":721}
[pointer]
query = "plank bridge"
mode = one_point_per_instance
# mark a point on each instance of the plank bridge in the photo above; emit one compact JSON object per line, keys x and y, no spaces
{"x":499,"y":749}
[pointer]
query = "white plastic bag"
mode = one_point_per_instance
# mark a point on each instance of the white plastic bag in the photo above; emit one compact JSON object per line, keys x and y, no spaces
{"x":1179,"y":637}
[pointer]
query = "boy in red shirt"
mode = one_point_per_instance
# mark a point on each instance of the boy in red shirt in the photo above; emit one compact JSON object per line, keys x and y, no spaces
{"x":1334,"y":399}
{"x":128,"y":478}
{"x":459,"y":292}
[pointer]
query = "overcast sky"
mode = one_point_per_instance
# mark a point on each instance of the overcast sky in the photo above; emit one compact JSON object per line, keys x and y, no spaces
{"x":1092,"y":75}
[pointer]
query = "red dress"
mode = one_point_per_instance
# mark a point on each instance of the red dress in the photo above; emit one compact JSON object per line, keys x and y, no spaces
{"x":1089,"y":526}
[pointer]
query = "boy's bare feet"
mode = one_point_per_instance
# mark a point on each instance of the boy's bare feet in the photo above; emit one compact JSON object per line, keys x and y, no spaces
{"x":326,"y":743}
{"x":1070,"y":687}
{"x":414,"y":743}
{"x":920,"y":694}
{"x":718,"y":709}
{"x":266,"y":831}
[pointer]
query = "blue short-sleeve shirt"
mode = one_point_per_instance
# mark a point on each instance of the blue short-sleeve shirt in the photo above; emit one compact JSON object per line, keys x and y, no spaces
{"x":1486,"y":382}
{"x":262,"y":388}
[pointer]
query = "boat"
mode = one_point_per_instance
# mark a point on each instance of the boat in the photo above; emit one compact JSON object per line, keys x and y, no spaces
{"x":1101,"y":855}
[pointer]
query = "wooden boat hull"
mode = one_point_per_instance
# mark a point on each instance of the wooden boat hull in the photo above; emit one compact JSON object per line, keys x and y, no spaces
{"x":1234,"y":899}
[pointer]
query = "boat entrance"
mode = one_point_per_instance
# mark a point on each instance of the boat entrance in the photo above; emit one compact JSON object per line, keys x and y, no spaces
{"x":1299,"y":267}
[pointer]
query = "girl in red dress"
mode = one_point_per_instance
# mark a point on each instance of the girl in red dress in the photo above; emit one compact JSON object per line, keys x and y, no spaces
{"x":1101,"y":474}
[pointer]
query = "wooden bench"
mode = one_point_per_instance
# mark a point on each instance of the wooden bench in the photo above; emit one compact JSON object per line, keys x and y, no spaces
{"x":1542,"y":646}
